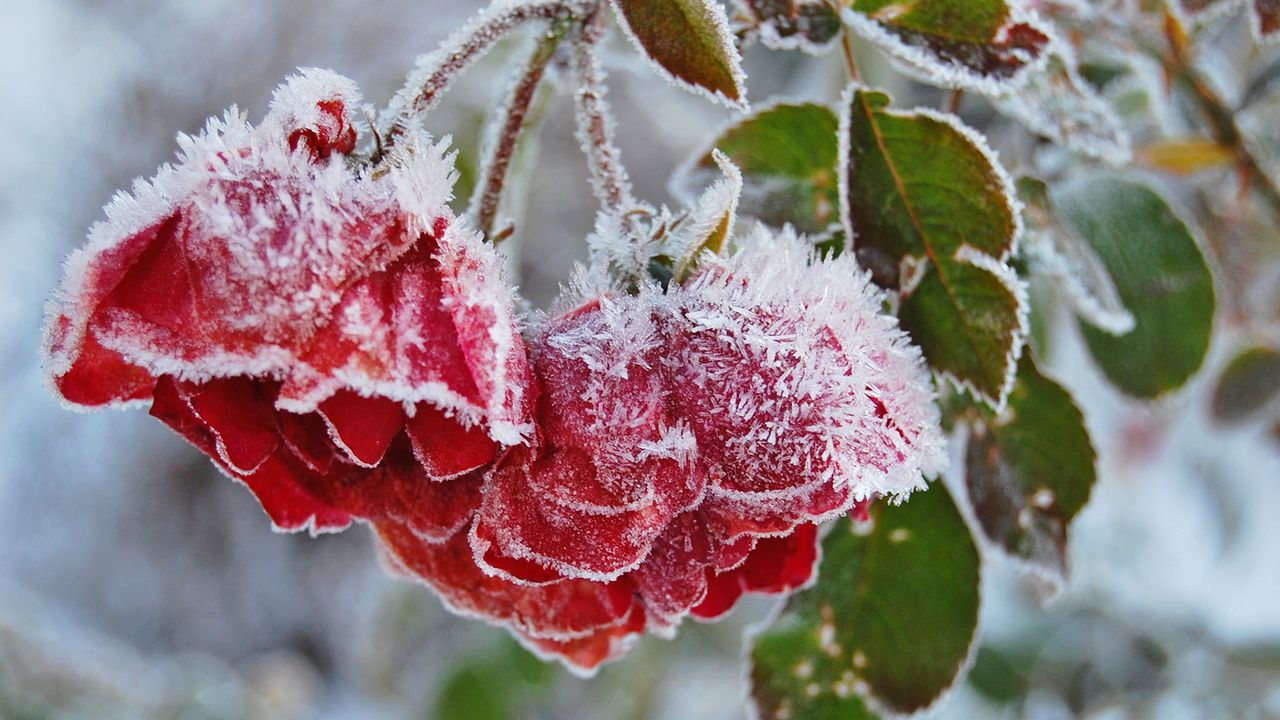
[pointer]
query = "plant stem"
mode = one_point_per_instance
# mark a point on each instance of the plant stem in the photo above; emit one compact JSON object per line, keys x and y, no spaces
{"x":595,"y":132}
{"x":1222,"y":121}
{"x":437,"y":70}
{"x":846,"y":42}
{"x":502,"y":146}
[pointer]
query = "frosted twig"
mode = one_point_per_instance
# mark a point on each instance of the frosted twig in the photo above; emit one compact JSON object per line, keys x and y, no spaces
{"x":1222,"y":119}
{"x":846,"y":45}
{"x":501,"y":147}
{"x":436,"y":71}
{"x":595,"y":123}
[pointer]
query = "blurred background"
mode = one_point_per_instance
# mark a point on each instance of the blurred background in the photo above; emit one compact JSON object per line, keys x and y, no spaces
{"x":137,"y":582}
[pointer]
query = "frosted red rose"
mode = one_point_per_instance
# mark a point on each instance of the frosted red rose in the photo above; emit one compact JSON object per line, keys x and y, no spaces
{"x":333,"y":337}
{"x":312,"y":327}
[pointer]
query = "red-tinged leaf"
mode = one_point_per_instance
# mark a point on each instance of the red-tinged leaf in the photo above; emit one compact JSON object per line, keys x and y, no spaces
{"x":362,"y":427}
{"x":688,"y":41}
{"x":1030,"y":471}
{"x":982,"y":45}
{"x":808,"y":25}
{"x":1266,"y":19}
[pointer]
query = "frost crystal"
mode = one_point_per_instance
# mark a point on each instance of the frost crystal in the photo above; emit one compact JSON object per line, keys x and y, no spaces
{"x":300,"y":321}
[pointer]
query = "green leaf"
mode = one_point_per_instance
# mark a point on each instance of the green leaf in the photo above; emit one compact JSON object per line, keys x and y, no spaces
{"x":931,"y":214}
{"x":473,"y":692}
{"x":979,"y":44}
{"x":499,"y":683}
{"x":890,"y":624}
{"x":1160,"y":275}
{"x":999,"y":676}
{"x":1250,"y":382}
{"x":1057,"y":251}
{"x":787,"y":153}
{"x":1030,"y":470}
{"x":689,"y":42}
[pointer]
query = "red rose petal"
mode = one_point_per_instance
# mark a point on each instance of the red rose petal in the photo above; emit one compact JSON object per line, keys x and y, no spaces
{"x":781,"y":564}
{"x":586,"y":654}
{"x":776,"y":565}
{"x":275,"y":483}
{"x":156,"y":288}
{"x":723,"y":591}
{"x":435,"y":510}
{"x":307,"y":437}
{"x":565,"y":610}
{"x":279,"y":488}
{"x":240,"y":415}
{"x":570,"y":541}
{"x":446,"y":448}
{"x":102,"y":377}
{"x":672,"y":578}
{"x":362,"y":427}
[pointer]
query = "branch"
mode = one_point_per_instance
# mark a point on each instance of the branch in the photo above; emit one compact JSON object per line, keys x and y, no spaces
{"x":595,"y":131}
{"x":436,"y":71}
{"x":501,"y":146}
{"x":1222,"y":120}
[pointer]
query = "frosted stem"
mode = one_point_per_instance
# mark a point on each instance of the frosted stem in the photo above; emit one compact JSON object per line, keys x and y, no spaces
{"x":501,"y":147}
{"x":595,"y":132}
{"x":436,"y":71}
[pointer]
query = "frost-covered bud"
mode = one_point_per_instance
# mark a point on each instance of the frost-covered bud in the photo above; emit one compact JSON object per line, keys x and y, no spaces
{"x":309,"y":325}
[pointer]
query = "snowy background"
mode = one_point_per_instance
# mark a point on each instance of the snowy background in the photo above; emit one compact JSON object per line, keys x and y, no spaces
{"x":137,"y":582}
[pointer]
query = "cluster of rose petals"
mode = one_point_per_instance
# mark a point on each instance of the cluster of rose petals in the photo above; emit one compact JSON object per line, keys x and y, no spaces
{"x":331,"y":336}
{"x":688,"y":443}
{"x":335,"y":339}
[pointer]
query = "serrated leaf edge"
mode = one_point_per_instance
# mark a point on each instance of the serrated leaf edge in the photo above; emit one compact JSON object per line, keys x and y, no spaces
{"x":995,"y":265}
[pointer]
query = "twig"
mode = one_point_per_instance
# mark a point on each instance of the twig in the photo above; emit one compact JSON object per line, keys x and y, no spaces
{"x":1222,"y":121}
{"x":436,"y":71}
{"x":595,"y":130}
{"x":846,"y":44}
{"x":501,"y":148}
